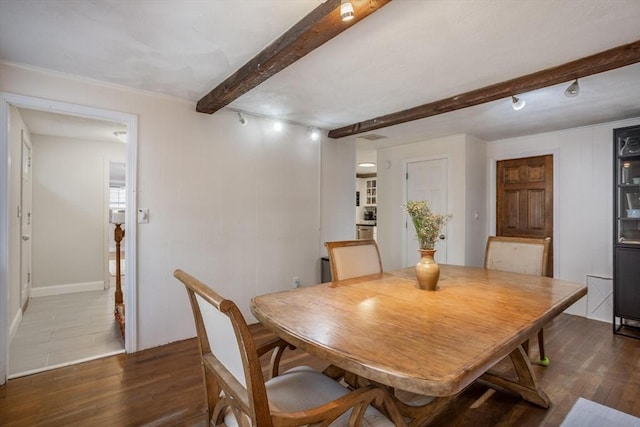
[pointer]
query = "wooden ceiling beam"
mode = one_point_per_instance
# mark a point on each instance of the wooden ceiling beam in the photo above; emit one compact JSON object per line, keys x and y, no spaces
{"x":315,"y":29}
{"x":600,"y":62}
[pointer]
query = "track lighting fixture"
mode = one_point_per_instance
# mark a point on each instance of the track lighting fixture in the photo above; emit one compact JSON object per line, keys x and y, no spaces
{"x":346,"y":11}
{"x":517,"y":103}
{"x":242,"y":119}
{"x":314,"y":134}
{"x":573,"y":89}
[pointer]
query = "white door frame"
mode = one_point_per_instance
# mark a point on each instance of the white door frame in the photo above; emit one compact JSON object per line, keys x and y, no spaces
{"x":24,"y":293}
{"x":131,"y":121}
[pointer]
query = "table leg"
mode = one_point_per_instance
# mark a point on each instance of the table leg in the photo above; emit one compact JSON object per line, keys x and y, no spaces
{"x":423,"y":414}
{"x":526,"y":385}
{"x":418,"y":414}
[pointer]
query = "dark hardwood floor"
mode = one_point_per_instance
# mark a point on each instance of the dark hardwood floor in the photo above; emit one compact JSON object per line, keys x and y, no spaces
{"x":163,"y":386}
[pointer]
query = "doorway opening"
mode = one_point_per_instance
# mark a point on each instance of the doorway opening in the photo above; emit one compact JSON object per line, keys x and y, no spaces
{"x":366,"y":218}
{"x":10,"y":310}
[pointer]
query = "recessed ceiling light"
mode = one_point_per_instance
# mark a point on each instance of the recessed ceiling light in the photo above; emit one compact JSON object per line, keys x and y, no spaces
{"x":121,"y":135}
{"x":277,"y":126}
{"x":367,"y":165}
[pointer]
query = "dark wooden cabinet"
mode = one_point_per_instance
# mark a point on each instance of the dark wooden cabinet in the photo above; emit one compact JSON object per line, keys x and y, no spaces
{"x":626,"y":251}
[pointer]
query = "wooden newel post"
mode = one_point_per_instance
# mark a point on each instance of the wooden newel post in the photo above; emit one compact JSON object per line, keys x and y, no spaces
{"x":118,"y":235}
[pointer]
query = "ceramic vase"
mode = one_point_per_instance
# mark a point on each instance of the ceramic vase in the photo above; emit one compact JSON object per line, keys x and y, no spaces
{"x":427,"y":270}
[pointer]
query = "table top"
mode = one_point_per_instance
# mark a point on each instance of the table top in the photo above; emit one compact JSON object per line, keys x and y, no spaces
{"x":436,"y":343}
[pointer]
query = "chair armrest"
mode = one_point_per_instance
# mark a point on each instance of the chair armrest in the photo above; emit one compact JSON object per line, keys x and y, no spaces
{"x":270,"y":345}
{"x":279,"y":345}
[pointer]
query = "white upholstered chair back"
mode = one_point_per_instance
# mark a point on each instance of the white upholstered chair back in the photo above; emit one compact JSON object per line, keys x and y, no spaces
{"x":520,"y":255}
{"x":354,"y":258}
{"x":517,"y":255}
{"x":222,"y":339}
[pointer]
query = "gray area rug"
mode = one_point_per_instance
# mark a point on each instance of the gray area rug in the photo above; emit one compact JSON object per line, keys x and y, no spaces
{"x":586,"y":413}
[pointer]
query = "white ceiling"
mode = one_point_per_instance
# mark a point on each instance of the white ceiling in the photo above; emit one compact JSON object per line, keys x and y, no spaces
{"x":45,"y":123}
{"x":409,"y":53}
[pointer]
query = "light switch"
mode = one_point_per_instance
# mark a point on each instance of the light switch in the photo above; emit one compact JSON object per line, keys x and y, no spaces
{"x":143,"y":216}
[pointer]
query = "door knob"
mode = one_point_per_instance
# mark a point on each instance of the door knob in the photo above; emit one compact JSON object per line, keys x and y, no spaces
{"x":25,"y":238}
{"x":441,"y":237}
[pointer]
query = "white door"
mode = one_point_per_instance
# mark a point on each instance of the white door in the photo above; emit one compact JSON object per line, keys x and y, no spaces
{"x":25,"y":222}
{"x":426,"y":180}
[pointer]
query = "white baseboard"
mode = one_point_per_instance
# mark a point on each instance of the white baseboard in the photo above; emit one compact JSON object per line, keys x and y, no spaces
{"x":46,"y":291}
{"x":17,"y":319}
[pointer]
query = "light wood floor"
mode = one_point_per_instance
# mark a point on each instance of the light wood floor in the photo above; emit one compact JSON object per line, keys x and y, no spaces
{"x":163,"y":386}
{"x":60,"y":330}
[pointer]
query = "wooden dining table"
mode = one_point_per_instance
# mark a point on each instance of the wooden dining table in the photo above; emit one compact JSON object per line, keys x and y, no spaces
{"x":384,"y":329}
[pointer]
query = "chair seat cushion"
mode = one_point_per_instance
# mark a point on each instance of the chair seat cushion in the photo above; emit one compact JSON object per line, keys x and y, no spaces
{"x":303,"y":388}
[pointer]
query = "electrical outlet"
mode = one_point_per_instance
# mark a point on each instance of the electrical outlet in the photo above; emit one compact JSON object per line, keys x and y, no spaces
{"x":296,"y":282}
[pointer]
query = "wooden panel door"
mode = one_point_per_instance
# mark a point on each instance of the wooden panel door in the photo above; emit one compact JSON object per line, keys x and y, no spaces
{"x":525,"y":199}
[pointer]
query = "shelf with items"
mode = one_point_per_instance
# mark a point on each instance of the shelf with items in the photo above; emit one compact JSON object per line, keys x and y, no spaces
{"x":628,"y":142}
{"x":629,"y":171}
{"x":628,"y":188}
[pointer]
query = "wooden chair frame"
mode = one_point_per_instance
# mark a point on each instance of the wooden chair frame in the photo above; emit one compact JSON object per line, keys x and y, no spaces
{"x":224,"y":391}
{"x":332,"y":246}
{"x":545,"y":243}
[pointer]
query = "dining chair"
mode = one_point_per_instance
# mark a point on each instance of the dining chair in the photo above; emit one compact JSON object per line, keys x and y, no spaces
{"x":353,"y":258}
{"x":235,"y":388}
{"x":520,"y":255}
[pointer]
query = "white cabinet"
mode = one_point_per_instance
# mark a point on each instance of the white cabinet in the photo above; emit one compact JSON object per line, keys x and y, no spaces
{"x":371,"y":193}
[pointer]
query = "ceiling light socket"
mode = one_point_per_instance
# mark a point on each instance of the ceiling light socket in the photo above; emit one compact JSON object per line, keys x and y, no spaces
{"x":242,"y":119}
{"x":573,"y":90}
{"x":346,"y":11}
{"x":517,"y":103}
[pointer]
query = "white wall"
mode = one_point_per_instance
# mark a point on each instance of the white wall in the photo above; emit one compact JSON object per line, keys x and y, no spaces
{"x":338,"y":191}
{"x":237,"y":206}
{"x":476,"y":195}
{"x":583,"y":196}
{"x":70,"y":178}
{"x":392,"y":189}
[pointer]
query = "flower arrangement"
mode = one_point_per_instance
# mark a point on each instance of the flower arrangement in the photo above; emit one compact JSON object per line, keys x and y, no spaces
{"x":427,"y":223}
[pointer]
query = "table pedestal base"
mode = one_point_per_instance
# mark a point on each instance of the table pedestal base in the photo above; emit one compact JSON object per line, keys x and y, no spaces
{"x":526,"y":386}
{"x":423,"y":413}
